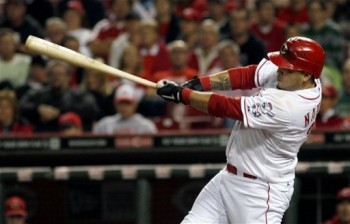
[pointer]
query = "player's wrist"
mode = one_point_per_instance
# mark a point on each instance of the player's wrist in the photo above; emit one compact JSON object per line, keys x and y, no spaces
{"x":195,"y":84}
{"x":185,"y":95}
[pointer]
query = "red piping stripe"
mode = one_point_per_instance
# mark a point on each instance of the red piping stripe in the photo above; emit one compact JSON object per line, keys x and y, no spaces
{"x":267,"y":202}
{"x":257,"y":73}
{"x":309,"y":98}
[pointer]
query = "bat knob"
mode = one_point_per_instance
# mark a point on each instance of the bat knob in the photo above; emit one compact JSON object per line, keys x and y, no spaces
{"x":164,"y":82}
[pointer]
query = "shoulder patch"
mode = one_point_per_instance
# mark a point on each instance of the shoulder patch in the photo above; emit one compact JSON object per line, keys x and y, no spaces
{"x":259,"y":109}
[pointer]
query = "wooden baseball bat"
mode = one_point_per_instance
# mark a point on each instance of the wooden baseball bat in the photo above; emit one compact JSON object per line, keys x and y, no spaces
{"x":40,"y":46}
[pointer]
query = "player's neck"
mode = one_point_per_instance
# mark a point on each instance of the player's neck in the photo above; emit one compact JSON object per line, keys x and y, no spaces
{"x":309,"y":85}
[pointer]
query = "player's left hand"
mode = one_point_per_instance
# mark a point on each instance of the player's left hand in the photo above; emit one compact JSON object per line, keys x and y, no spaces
{"x":170,"y":91}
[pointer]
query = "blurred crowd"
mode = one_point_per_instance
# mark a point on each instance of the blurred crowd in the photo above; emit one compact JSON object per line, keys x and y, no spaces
{"x":158,"y":39}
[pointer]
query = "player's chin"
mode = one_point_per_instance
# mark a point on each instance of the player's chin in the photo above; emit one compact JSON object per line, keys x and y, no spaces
{"x":278,"y":86}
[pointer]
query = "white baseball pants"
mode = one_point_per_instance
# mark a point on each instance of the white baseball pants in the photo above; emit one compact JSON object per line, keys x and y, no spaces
{"x":230,"y":198}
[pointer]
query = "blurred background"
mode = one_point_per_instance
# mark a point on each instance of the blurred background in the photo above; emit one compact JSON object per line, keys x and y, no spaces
{"x":81,"y":147}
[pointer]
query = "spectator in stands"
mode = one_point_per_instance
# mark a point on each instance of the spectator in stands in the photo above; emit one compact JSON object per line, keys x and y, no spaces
{"x":295,"y":12}
{"x":217,"y":12}
{"x":252,"y":50}
{"x":95,"y":10}
{"x":332,"y":76}
{"x":130,"y":36}
{"x":17,"y":20}
{"x":267,"y":28}
{"x":10,"y":120}
{"x":229,"y":53}
{"x":327,"y":117}
{"x":72,"y":43}
{"x":168,"y":22}
{"x":37,"y":79}
{"x":179,"y":71}
{"x":44,"y":107}
{"x":155,"y":55}
{"x":327,"y":34}
{"x":343,"y":106}
{"x":40,"y":10}
{"x":98,"y":85}
{"x":342,"y":208}
{"x":74,"y":18}
{"x":199,"y":5}
{"x":293,"y":30}
{"x":342,"y":17}
{"x":70,"y":124}
{"x":205,"y":57}
{"x":55,"y":30}
{"x":14,"y":67}
{"x":106,"y":30}
{"x":126,"y":121}
{"x":15,"y":210}
{"x":131,"y":62}
{"x":189,"y":24}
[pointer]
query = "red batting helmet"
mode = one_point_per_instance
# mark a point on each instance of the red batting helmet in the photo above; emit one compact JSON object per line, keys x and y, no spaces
{"x":300,"y":54}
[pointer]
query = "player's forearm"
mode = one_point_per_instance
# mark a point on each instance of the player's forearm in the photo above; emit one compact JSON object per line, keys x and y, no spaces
{"x":216,"y":105}
{"x":200,"y":100}
{"x":234,"y":78}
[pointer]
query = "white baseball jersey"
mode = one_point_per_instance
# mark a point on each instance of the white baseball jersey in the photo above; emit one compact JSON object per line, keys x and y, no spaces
{"x":275,"y":124}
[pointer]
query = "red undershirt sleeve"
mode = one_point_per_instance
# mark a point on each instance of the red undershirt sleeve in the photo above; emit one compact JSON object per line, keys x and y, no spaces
{"x":243,"y":77}
{"x":222,"y":106}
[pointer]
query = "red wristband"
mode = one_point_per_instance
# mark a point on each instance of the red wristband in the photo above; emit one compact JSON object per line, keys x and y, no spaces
{"x":185,"y":95}
{"x":205,"y":82}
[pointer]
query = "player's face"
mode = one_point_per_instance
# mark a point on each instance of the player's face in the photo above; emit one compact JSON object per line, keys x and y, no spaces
{"x":343,"y":210}
{"x":290,"y":80}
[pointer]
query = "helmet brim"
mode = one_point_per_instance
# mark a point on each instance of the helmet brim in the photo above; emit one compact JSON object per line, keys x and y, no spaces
{"x":280,"y":61}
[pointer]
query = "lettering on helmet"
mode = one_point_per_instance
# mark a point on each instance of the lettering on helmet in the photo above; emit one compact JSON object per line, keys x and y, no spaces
{"x":259,"y":109}
{"x":284,"y":49}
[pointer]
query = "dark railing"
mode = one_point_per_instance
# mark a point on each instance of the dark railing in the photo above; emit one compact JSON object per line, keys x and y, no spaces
{"x":184,"y":147}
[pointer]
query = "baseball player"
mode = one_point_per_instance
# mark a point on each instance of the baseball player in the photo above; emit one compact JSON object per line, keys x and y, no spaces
{"x":257,"y":183}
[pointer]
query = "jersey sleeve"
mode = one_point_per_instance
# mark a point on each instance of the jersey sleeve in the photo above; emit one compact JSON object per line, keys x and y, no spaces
{"x":266,"y":74}
{"x":266,"y":111}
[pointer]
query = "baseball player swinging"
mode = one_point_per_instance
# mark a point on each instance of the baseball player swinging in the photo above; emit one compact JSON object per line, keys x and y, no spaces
{"x":257,"y":183}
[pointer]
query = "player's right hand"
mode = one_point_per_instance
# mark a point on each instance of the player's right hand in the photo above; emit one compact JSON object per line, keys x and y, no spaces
{"x":194,"y":84}
{"x":169,"y":91}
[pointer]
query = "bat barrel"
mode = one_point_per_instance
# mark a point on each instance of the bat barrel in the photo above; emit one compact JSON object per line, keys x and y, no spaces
{"x":40,"y":46}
